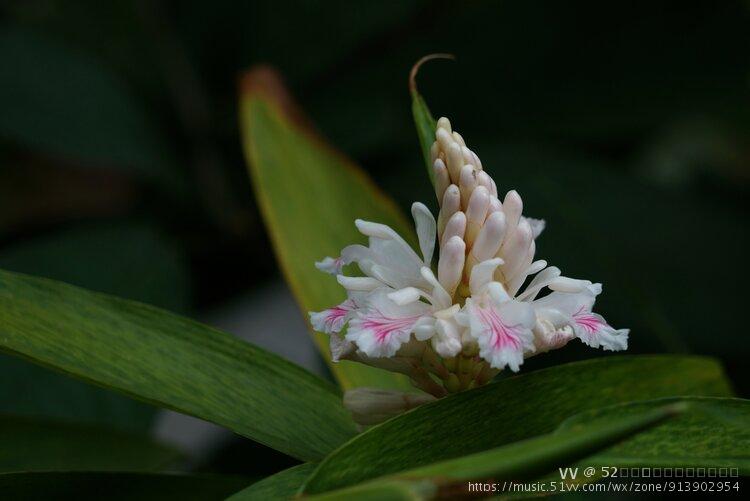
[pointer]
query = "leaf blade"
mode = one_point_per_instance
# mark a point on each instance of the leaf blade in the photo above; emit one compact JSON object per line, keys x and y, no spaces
{"x":36,"y":445}
{"x":282,"y":485}
{"x":310,"y":194}
{"x":713,"y":433}
{"x":531,"y":404}
{"x":173,"y":362}
{"x":516,"y":461}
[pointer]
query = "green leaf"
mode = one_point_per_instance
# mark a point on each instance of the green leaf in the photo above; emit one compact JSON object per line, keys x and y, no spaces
{"x":130,"y":260}
{"x":173,"y":362}
{"x":518,"y":461}
{"x":35,"y":444}
{"x":512,"y":409}
{"x":58,"y":100}
{"x":282,"y":485}
{"x":426,"y":126}
{"x":714,"y":433}
{"x":76,"y":486}
{"x":392,"y":490}
{"x":310,"y":196}
{"x":423,"y":120}
{"x":29,"y":390}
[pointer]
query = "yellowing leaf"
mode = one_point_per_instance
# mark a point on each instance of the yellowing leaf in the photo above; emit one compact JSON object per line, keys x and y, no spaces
{"x":310,"y":196}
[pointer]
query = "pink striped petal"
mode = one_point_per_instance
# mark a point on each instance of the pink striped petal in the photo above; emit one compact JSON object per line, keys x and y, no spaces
{"x":333,"y":319}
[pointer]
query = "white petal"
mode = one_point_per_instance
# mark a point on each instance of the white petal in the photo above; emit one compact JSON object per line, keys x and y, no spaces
{"x":405,"y":296}
{"x":565,"y":284}
{"x":332,"y":320}
{"x":537,"y":225}
{"x":389,"y":257}
{"x":426,"y":230}
{"x":568,"y":303}
{"x":447,"y":342}
{"x":482,"y":274}
{"x":359,"y":283}
{"x":424,"y":329}
{"x":538,"y":283}
{"x":503,"y":332}
{"x":330,"y":265}
{"x":380,"y":329}
{"x":592,"y":329}
{"x":549,"y":337}
{"x":498,"y":293}
{"x":440,"y":297}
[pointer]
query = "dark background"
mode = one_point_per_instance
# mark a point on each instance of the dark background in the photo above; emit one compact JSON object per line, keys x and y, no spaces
{"x":624,"y":124}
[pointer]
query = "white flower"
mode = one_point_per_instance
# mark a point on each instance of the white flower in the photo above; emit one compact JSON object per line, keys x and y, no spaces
{"x":454,"y":326}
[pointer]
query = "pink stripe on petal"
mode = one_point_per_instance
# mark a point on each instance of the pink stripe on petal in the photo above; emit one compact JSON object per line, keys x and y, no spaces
{"x":588,"y":321}
{"x":383,"y":327}
{"x":335,"y":318}
{"x":502,"y":336}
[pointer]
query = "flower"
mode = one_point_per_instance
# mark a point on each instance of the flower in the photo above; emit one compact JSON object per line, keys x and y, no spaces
{"x":456,"y":324}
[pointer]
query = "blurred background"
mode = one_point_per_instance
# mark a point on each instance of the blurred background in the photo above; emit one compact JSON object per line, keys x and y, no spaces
{"x":625,"y":125}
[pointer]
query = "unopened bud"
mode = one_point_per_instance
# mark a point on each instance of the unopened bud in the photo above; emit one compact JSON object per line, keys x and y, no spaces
{"x":451,"y":264}
{"x":490,"y":237}
{"x":442,"y":179}
{"x":455,"y":227}
{"x":467,"y":181}
{"x":455,"y":161}
{"x":372,"y":405}
{"x":476,"y":212}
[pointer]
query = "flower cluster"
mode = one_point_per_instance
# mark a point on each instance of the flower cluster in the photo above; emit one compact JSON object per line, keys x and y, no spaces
{"x":487,"y":304}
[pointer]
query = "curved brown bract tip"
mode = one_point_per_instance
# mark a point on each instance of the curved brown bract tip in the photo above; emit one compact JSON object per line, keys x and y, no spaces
{"x":266,"y":81}
{"x":418,"y":64}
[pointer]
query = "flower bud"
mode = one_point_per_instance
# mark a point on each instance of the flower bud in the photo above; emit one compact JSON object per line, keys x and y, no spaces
{"x":442,"y":179}
{"x":372,"y":405}
{"x":444,"y":139}
{"x":512,"y":206}
{"x":455,"y":227}
{"x":455,"y":161}
{"x":467,"y":181}
{"x":434,"y":152}
{"x":451,"y":204}
{"x":451,"y":264}
{"x":444,"y":123}
{"x":476,"y":212}
{"x":495,"y":205}
{"x":490,"y":237}
{"x":516,"y":248}
{"x":484,"y":179}
{"x":458,"y":138}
